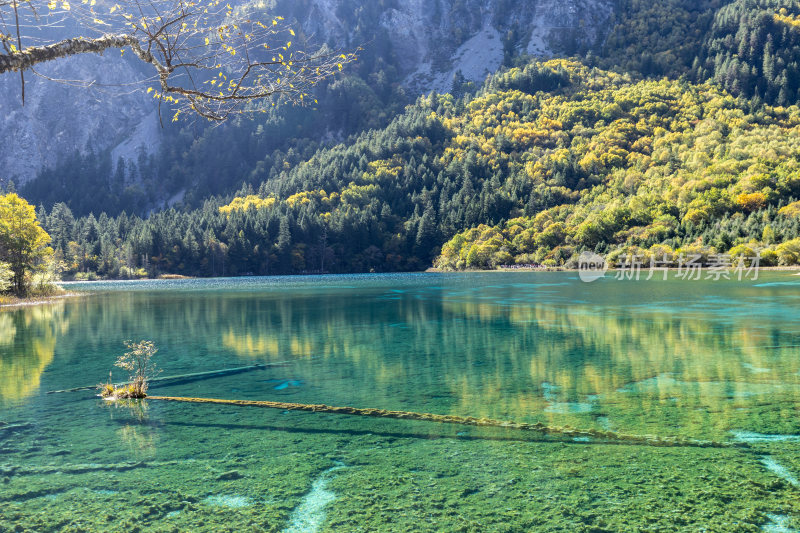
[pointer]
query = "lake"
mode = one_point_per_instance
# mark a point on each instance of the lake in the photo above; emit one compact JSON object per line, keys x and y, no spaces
{"x":709,"y":360}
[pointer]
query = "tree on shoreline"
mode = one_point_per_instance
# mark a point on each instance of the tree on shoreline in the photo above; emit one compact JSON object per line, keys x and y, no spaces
{"x":5,"y":277}
{"x":23,"y":242}
{"x":206,"y":58}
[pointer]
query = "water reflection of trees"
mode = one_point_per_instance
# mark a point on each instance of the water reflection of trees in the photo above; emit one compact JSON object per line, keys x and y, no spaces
{"x":696,"y":373}
{"x":492,"y":360}
{"x":27,"y":345}
{"x":461,"y":355}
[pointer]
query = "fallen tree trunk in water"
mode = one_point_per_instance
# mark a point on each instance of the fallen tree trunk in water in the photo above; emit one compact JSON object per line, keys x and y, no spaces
{"x":193,"y":376}
{"x":564,"y":431}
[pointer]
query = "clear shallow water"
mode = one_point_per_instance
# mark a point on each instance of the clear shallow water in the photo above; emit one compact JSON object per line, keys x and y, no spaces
{"x":709,"y":360}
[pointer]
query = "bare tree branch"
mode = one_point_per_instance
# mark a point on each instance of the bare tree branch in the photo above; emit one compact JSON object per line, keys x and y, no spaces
{"x":208,"y":59}
{"x":40,"y":54}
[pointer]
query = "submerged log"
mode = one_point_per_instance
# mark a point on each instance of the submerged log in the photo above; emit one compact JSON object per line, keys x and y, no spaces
{"x":14,"y":427}
{"x":192,"y":376}
{"x":538,"y":427}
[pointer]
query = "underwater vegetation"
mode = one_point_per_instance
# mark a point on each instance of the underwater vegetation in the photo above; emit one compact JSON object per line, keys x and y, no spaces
{"x":696,"y":362}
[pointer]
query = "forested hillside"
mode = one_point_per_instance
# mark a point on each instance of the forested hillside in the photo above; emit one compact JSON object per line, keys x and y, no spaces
{"x":405,"y":48}
{"x":749,"y":47}
{"x":753,"y":50}
{"x":647,"y":168}
{"x":656,"y":38}
{"x":546,"y":161}
{"x":677,"y":133}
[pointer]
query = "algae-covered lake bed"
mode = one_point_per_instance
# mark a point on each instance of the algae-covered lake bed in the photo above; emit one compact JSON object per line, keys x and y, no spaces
{"x":708,"y":360}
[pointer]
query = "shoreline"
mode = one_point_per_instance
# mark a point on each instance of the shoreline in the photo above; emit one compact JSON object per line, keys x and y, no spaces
{"x":16,"y":303}
{"x":644,"y":269}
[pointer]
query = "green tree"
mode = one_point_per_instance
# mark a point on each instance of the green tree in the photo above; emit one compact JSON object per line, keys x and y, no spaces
{"x":23,"y":242}
{"x":5,"y":277}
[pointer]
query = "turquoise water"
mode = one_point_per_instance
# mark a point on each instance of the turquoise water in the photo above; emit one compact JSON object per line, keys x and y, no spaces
{"x":706,"y":360}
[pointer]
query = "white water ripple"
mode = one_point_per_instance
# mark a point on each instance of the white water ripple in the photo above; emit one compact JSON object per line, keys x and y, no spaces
{"x":310,"y":514}
{"x":779,"y":470}
{"x":778,"y":524}
{"x":752,"y":437}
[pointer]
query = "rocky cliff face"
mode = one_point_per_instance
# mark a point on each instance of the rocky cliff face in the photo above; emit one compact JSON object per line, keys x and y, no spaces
{"x":431,"y":41}
{"x":434,"y":39}
{"x":64,"y":117}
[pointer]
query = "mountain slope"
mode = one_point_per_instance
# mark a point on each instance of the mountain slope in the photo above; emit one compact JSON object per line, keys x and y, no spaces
{"x":415,"y":44}
{"x":753,"y":50}
{"x":547,"y":161}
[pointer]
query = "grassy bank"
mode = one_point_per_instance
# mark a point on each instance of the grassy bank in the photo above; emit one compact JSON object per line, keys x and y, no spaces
{"x":51,"y":294}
